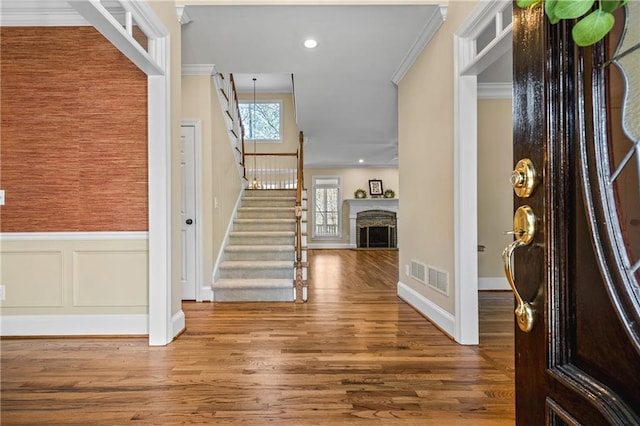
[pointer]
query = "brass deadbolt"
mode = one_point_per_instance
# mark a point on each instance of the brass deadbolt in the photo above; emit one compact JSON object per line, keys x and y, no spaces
{"x":524,"y":178}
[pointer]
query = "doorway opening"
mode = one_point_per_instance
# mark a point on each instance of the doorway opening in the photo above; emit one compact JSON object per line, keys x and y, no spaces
{"x":479,"y":43}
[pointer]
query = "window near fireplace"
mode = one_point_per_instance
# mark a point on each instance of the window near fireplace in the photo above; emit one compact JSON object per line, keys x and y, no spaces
{"x":327,"y":207}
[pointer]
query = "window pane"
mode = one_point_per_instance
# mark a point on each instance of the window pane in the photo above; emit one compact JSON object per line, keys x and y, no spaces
{"x":261,"y":120}
{"x":327,"y":215}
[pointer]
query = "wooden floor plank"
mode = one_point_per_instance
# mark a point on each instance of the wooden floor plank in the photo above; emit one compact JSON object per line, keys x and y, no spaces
{"x":354,"y":354}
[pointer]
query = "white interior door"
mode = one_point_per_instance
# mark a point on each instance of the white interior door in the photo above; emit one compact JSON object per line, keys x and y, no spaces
{"x":188,"y":213}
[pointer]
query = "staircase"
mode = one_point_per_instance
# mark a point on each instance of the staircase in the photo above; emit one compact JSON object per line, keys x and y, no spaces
{"x":258,"y":262}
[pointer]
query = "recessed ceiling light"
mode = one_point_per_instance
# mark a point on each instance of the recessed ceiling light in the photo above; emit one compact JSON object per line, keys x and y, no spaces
{"x":361,"y":160}
{"x":310,"y":43}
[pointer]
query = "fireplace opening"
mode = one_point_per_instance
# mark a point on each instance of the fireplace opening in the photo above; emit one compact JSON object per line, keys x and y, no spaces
{"x":376,"y":229}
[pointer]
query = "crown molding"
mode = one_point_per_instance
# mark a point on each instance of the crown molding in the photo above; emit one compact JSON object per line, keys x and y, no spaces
{"x":199,"y":69}
{"x":495,"y":90}
{"x":39,"y":13}
{"x":433,"y":23}
{"x":183,"y":16}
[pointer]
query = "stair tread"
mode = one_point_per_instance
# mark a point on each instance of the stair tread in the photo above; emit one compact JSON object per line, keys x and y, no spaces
{"x":271,"y":197}
{"x":253,"y":283}
{"x":256,"y":264}
{"x":247,"y":247}
{"x":266,"y":208}
{"x":277,"y":220}
{"x":265,"y":233}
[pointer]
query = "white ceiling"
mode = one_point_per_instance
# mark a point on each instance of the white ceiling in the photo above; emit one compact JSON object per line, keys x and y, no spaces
{"x":346,"y":100}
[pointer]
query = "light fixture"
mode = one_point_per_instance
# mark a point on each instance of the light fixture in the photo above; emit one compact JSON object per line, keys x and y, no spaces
{"x":255,"y":183}
{"x":310,"y":43}
{"x":361,"y":160}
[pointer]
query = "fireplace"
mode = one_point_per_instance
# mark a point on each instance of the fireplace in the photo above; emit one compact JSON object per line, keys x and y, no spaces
{"x":359,"y":205}
{"x":376,"y":229}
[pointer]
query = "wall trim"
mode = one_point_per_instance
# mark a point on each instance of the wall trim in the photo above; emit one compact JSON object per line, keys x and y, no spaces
{"x":74,"y":236}
{"x":434,"y":313}
{"x":225,"y":241}
{"x":198,"y":69}
{"x":178,"y":323}
{"x":495,"y":90}
{"x":30,"y":13}
{"x":431,"y":27}
{"x":493,"y":283}
{"x":74,"y":325}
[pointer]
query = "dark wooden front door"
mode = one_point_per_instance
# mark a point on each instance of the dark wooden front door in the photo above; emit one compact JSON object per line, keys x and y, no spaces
{"x":579,"y":124}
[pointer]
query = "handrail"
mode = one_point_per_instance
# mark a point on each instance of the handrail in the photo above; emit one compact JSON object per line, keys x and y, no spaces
{"x":299,"y":265}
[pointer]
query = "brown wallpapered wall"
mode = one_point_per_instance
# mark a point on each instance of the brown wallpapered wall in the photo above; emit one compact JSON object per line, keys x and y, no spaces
{"x":73,"y":147}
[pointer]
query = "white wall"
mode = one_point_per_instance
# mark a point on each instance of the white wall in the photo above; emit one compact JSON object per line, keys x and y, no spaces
{"x":425,"y":138}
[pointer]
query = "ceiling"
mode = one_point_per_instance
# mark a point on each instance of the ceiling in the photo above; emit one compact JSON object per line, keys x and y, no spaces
{"x":346,"y":100}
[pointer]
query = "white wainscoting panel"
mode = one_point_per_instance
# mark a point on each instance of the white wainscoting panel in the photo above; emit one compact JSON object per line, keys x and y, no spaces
{"x":110,"y":278}
{"x":75,"y":283}
{"x":32,"y":278}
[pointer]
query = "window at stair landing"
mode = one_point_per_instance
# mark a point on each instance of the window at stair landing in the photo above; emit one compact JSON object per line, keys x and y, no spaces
{"x":327,"y":207}
{"x":262,"y":121}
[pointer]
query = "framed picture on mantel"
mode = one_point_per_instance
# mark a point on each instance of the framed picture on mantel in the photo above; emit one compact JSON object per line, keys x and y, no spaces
{"x":375,"y":187}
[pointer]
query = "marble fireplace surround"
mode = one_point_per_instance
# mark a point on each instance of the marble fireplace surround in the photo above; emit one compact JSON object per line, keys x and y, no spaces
{"x":357,"y":205}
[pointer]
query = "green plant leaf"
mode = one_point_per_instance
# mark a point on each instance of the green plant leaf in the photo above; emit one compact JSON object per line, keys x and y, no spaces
{"x":592,"y":28}
{"x":526,"y":3}
{"x":549,"y":7}
{"x":609,"y":5}
{"x":571,"y":9}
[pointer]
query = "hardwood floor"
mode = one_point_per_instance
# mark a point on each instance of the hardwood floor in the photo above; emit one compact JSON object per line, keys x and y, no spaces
{"x":354,"y":354}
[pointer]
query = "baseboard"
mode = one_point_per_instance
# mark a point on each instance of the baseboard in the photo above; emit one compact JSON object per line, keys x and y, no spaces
{"x":74,"y":325}
{"x":206,"y":294}
{"x":493,"y":283}
{"x":434,"y":313}
{"x":178,"y":323}
{"x":225,"y":242}
{"x":319,"y":246}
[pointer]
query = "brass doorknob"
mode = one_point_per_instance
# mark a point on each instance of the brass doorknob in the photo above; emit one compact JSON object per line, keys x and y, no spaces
{"x":524,"y":229}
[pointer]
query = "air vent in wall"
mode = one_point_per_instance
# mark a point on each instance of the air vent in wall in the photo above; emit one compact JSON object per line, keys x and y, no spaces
{"x":439,"y":280}
{"x":418,"y":271}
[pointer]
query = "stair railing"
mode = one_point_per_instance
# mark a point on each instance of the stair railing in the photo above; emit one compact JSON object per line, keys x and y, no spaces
{"x":228,"y":97}
{"x":300,"y":282}
{"x":271,"y":170}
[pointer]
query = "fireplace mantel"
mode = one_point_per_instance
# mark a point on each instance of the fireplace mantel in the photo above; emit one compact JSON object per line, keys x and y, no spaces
{"x":357,"y":205}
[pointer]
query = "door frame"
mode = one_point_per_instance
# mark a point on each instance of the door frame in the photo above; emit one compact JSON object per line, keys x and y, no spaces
{"x":467,"y":65}
{"x":197,"y":165}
